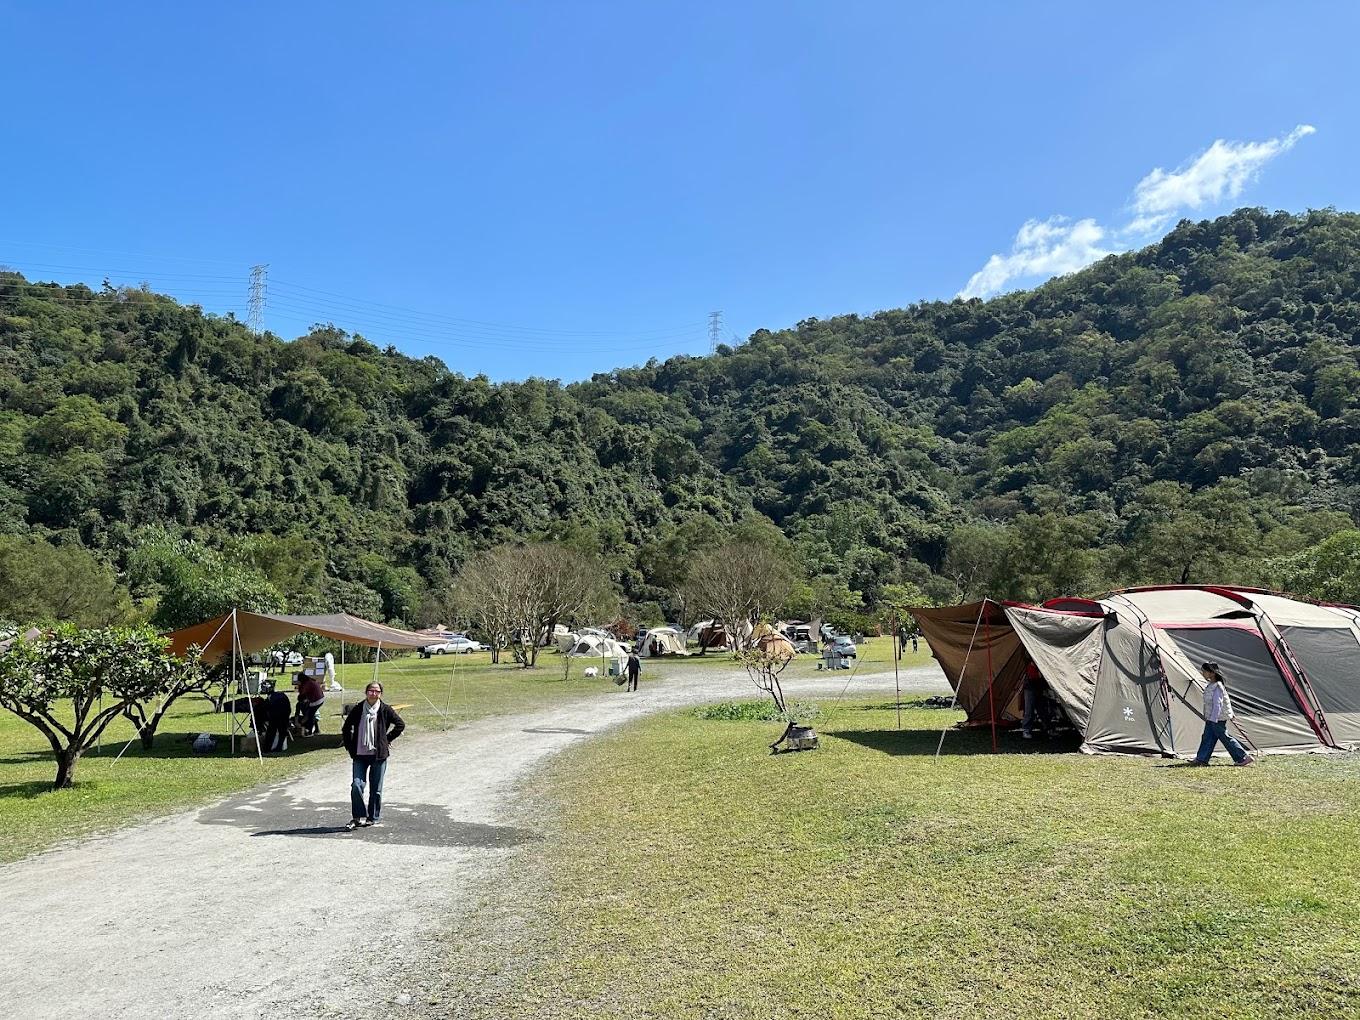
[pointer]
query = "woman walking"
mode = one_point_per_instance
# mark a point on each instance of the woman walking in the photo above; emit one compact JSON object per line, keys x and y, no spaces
{"x":369,"y":730}
{"x":1218,"y":711}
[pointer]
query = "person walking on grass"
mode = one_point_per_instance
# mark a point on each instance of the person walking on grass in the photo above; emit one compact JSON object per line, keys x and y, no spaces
{"x":369,"y":730}
{"x":1218,"y":711}
{"x":632,"y":670}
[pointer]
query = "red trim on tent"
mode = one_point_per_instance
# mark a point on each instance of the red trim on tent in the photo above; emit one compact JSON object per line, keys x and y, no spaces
{"x":1297,"y":685}
{"x":1057,"y":606}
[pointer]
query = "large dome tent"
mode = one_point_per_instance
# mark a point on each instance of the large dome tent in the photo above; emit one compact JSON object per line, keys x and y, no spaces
{"x":1124,"y":667}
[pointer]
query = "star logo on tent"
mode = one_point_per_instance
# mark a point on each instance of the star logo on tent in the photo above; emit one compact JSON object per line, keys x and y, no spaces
{"x":1128,"y":713}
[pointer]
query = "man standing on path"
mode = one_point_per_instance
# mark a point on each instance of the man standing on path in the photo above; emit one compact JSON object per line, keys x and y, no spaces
{"x":632,"y":669}
{"x":369,"y":730}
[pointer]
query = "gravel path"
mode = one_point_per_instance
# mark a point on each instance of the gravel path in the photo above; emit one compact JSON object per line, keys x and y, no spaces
{"x":262,"y":906}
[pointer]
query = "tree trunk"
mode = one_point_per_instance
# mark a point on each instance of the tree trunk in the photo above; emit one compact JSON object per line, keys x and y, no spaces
{"x":148,"y":734}
{"x":66,"y":768}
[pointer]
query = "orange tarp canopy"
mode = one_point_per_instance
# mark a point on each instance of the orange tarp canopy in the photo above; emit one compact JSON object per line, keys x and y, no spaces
{"x":254,"y":631}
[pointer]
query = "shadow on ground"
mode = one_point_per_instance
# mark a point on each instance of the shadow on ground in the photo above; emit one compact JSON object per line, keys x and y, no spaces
{"x":273,"y":812}
{"x":556,"y":729}
{"x":956,"y":742}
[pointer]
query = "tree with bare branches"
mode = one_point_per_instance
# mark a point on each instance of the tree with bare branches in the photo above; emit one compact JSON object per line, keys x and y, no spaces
{"x":739,"y":584}
{"x":517,"y":594}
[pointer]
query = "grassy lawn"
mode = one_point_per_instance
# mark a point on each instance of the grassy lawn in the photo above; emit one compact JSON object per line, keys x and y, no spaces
{"x":693,"y":875}
{"x":441,"y":692}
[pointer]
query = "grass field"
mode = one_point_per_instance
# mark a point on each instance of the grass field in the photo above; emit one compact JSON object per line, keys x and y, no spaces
{"x":693,"y":875}
{"x":441,"y":692}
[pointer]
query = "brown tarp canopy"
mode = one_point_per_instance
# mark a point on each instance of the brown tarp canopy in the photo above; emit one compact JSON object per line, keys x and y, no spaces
{"x":255,"y":631}
{"x":975,"y":643}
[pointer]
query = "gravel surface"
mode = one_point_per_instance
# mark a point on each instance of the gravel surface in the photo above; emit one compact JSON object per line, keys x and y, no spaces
{"x":261,"y":905}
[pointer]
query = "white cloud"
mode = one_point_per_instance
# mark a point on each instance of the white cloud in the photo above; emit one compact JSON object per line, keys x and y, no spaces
{"x":1049,"y":247}
{"x":1220,"y":171}
{"x":1054,"y":246}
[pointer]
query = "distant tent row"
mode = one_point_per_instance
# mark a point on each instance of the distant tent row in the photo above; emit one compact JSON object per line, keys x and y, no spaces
{"x":1125,"y":667}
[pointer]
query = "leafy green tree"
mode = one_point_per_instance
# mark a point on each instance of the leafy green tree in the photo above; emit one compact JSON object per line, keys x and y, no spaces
{"x":191,"y":583}
{"x":1328,"y":572}
{"x":70,"y":684}
{"x":42,"y":583}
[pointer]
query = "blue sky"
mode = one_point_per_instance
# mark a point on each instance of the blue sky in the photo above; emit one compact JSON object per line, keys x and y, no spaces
{"x":562,"y":188}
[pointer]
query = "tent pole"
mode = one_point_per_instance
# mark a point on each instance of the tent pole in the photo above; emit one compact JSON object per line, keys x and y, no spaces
{"x":342,"y":661}
{"x":377,"y":658}
{"x":991,"y":680}
{"x":250,"y":702}
{"x":897,"y":680}
{"x":954,"y":701}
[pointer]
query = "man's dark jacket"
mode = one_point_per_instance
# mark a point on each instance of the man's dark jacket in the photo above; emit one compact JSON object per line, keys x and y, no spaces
{"x":388,"y":729}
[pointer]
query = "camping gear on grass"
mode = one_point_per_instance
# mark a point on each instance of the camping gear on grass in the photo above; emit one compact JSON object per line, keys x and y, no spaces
{"x":796,"y":737}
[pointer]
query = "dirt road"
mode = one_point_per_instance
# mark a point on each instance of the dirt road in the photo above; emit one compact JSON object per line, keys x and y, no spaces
{"x":261,"y":906}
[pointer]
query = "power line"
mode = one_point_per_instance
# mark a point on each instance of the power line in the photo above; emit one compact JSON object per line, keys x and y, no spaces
{"x":345,"y":300}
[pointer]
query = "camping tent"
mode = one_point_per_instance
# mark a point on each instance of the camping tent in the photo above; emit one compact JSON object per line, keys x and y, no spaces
{"x":661,"y":641}
{"x":599,"y":647}
{"x":1124,"y":667}
{"x":775,"y":646}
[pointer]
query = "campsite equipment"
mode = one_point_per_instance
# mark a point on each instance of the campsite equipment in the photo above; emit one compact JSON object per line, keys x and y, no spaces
{"x":834,"y":657}
{"x":1124,"y":668}
{"x":797,"y":737}
{"x":229,"y":638}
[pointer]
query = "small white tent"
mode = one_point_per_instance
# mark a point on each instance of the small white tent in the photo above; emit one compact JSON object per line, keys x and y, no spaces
{"x":599,"y":647}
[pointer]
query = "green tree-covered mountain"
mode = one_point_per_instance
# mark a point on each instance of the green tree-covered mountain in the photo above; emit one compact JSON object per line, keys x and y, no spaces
{"x":1184,"y":412}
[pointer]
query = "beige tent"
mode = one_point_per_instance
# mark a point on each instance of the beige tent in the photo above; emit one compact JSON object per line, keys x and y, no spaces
{"x":1124,"y":668}
{"x":661,"y":641}
{"x":775,"y":646}
{"x":599,"y":646}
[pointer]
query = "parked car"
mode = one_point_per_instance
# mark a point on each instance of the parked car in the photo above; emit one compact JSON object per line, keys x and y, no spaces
{"x":292,"y":659}
{"x":458,"y":644}
{"x":844,"y":646}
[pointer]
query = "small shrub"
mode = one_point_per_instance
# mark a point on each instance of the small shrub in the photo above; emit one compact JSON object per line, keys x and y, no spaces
{"x":756,"y":711}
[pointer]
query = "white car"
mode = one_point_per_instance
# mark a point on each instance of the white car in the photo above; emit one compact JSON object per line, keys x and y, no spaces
{"x":292,"y":659}
{"x":459,"y":644}
{"x":844,"y":646}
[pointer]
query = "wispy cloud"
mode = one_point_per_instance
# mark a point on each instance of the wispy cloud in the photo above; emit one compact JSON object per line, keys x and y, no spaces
{"x":1051,"y":247}
{"x":1220,"y":171}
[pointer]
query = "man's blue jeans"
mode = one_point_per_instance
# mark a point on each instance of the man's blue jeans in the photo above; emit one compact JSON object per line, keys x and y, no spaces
{"x":369,"y":771}
{"x":1213,"y":733}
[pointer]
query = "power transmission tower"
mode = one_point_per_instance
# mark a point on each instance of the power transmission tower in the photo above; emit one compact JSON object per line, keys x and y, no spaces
{"x":259,"y":292}
{"x":714,"y":330}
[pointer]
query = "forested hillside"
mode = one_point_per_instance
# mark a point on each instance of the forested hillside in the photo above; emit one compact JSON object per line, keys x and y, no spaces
{"x":1187,"y":412}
